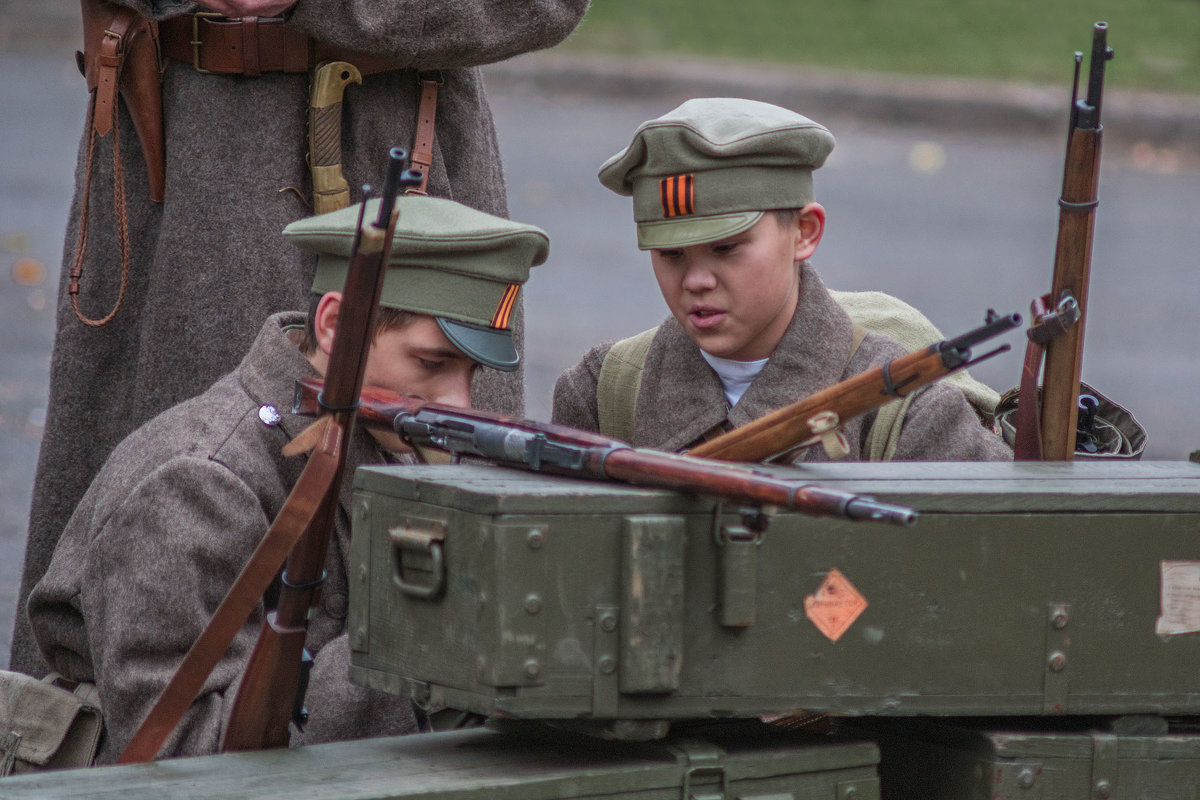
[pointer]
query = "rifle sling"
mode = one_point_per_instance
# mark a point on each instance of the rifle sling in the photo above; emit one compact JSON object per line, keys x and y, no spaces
{"x":1044,"y":326}
{"x":422,"y":149}
{"x":297,"y":514}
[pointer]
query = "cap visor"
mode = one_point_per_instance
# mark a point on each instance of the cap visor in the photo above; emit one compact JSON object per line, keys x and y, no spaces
{"x":687,"y":231}
{"x":489,"y":346}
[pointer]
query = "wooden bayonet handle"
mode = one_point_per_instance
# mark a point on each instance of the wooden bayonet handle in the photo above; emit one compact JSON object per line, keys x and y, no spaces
{"x":329,"y":82}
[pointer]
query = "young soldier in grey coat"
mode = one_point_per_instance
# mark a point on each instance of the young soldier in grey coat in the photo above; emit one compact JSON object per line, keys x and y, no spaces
{"x":723,"y":198}
{"x":207,"y":265}
{"x":181,"y":504}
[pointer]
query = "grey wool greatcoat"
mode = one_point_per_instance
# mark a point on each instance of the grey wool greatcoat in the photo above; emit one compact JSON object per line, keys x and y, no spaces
{"x":209,"y":264}
{"x":161,"y":535}
{"x":681,"y":397}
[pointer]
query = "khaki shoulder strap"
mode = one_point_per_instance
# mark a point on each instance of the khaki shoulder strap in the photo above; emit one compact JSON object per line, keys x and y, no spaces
{"x":884,"y":436}
{"x":619,"y":383}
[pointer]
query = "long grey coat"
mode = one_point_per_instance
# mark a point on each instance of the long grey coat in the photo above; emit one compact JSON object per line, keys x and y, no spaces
{"x":209,"y":264}
{"x":681,"y":397}
{"x":161,"y":535}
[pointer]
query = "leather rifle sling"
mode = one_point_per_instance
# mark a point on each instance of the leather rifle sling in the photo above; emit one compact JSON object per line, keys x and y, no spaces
{"x":243,"y":597}
{"x":1045,"y":324}
{"x":422,"y":149}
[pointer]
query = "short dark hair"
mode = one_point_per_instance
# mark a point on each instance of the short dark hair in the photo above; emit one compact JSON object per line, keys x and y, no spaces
{"x":386,"y":319}
{"x":784,"y":216}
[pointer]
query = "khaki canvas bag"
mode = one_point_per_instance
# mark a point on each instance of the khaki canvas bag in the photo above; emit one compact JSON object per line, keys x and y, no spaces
{"x":45,"y":727}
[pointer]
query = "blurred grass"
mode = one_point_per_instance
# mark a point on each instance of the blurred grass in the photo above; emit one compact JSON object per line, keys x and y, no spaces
{"x":1157,"y":42}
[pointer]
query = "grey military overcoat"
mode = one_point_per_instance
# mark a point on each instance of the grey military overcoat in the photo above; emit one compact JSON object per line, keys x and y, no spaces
{"x":681,"y":397}
{"x":161,"y":535}
{"x":209,"y":264}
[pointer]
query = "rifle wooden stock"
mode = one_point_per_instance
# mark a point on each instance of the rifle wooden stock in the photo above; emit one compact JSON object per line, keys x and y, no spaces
{"x":1073,"y":256}
{"x":563,"y":450}
{"x":267,"y":696}
{"x":789,"y":427}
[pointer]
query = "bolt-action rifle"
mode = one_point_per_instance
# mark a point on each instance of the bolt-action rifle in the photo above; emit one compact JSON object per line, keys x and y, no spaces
{"x":559,"y":449}
{"x":1059,"y":317}
{"x":815,"y":418}
{"x":271,"y":691}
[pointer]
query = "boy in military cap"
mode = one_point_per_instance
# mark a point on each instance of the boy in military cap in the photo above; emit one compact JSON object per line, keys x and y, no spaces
{"x":181,"y":504}
{"x":723,"y":199}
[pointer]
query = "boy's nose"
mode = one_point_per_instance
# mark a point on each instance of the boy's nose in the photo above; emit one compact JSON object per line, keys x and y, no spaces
{"x":698,"y":278}
{"x":455,"y":391}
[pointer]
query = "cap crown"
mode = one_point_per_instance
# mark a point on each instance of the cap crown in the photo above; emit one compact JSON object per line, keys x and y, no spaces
{"x":447,"y":260}
{"x":699,"y":172}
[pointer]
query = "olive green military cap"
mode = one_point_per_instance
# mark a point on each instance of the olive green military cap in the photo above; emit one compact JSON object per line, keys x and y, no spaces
{"x":461,"y":266}
{"x":711,"y":167}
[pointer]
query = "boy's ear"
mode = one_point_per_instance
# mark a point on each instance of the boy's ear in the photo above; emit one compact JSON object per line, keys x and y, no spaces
{"x":810,"y":227}
{"x":325,"y":322}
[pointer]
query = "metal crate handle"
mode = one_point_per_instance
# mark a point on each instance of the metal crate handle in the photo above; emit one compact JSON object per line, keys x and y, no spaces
{"x":423,"y":542}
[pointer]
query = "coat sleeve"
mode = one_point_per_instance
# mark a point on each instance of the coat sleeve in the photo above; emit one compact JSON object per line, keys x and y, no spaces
{"x":575,"y":392}
{"x":152,"y":575}
{"x":340,"y":710}
{"x":439,"y":34}
{"x":941,"y":425}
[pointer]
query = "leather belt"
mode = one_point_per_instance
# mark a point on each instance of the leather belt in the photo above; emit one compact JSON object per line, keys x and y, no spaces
{"x":252,"y":46}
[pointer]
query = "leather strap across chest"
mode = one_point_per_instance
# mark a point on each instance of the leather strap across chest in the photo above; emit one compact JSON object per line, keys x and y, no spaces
{"x":252,"y":46}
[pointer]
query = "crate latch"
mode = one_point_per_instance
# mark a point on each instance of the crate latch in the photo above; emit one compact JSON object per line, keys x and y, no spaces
{"x":738,"y":585}
{"x":703,"y":765}
{"x":1104,"y":765}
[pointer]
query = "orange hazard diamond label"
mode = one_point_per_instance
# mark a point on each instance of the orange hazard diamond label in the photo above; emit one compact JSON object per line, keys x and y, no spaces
{"x":835,"y":605}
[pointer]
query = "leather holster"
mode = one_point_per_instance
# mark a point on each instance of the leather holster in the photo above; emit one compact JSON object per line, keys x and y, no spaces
{"x":121,"y":57}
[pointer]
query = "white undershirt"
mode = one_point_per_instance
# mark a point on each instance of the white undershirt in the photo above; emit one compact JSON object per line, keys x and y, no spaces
{"x":736,"y":376}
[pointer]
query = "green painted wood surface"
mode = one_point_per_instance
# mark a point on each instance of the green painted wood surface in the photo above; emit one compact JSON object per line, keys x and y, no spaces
{"x":981,"y":487}
{"x":476,"y":764}
{"x":958,"y":614}
{"x":1031,"y":760}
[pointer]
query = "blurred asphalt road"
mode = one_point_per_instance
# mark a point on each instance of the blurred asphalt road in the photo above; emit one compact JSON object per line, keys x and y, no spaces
{"x":941,"y":192}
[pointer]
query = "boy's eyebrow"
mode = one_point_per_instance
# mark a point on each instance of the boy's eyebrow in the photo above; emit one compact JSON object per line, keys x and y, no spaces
{"x":439,"y":352}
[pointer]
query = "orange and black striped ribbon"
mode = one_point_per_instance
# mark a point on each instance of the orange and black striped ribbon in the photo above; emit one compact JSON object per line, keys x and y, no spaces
{"x":507,"y":303}
{"x":678,"y":194}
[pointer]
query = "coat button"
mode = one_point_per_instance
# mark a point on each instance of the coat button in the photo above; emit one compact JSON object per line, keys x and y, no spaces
{"x":269,"y":415}
{"x":335,"y":604}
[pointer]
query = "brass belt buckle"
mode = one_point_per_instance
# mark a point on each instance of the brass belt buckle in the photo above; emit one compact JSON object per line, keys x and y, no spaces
{"x":196,"y":15}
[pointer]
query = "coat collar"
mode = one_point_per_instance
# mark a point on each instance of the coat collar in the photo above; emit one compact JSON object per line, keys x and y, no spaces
{"x":268,"y":375}
{"x":681,"y":398}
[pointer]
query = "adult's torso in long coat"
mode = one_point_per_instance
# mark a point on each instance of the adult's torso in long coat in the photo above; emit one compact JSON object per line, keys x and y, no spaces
{"x":208,"y":265}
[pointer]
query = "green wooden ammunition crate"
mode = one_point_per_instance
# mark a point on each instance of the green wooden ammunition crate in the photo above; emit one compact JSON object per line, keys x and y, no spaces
{"x":1022,"y":589}
{"x":1028,"y":760}
{"x":483,"y":764}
